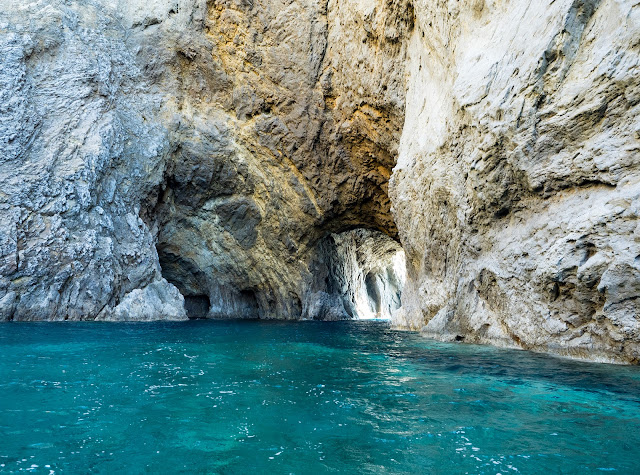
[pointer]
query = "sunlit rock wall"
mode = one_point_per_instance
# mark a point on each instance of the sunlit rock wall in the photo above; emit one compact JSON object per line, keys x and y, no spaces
{"x":359,"y":274}
{"x":279,"y":144}
{"x":517,"y":187}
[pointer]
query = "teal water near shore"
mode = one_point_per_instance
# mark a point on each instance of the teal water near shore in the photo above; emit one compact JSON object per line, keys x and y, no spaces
{"x":305,"y":398}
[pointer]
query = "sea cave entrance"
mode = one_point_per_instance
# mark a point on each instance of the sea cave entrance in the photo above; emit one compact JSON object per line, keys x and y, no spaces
{"x":366,"y":273}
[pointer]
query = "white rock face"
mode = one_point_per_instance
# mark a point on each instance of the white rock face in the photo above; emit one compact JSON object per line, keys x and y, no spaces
{"x":517,"y":189}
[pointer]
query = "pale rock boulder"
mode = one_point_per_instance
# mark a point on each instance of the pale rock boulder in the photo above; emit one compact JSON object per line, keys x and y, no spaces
{"x":148,"y":303}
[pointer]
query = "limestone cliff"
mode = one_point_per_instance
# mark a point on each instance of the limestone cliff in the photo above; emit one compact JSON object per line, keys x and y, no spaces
{"x":211,"y":158}
{"x":517,"y":189}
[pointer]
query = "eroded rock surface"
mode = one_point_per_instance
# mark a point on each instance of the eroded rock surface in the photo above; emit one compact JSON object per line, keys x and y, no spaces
{"x":231,"y":136}
{"x":80,"y":151}
{"x":517,"y":188}
{"x":367,"y":270}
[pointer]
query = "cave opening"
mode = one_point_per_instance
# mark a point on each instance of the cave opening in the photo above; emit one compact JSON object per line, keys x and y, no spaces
{"x":359,"y":274}
{"x":197,"y":306}
{"x":353,"y":272}
{"x":366,"y":272}
{"x":206,"y":296}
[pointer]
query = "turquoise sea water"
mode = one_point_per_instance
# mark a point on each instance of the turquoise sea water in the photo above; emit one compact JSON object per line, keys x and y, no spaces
{"x":305,"y":398}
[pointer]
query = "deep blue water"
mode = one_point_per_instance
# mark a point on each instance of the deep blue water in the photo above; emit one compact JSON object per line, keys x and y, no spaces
{"x":304,"y":398}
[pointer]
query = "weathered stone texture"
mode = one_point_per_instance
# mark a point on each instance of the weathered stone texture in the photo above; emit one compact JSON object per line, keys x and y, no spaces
{"x":518,"y":183}
{"x":228,"y":135}
{"x":79,"y":155}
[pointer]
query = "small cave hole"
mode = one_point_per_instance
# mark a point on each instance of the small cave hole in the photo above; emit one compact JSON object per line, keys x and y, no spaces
{"x":555,"y":291}
{"x":372,"y":288}
{"x":502,"y":212}
{"x":197,"y":306}
{"x":248,"y":305}
{"x":589,"y":251}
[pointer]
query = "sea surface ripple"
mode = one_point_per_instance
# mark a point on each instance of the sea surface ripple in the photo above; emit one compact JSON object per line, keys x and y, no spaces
{"x":240,"y":397}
